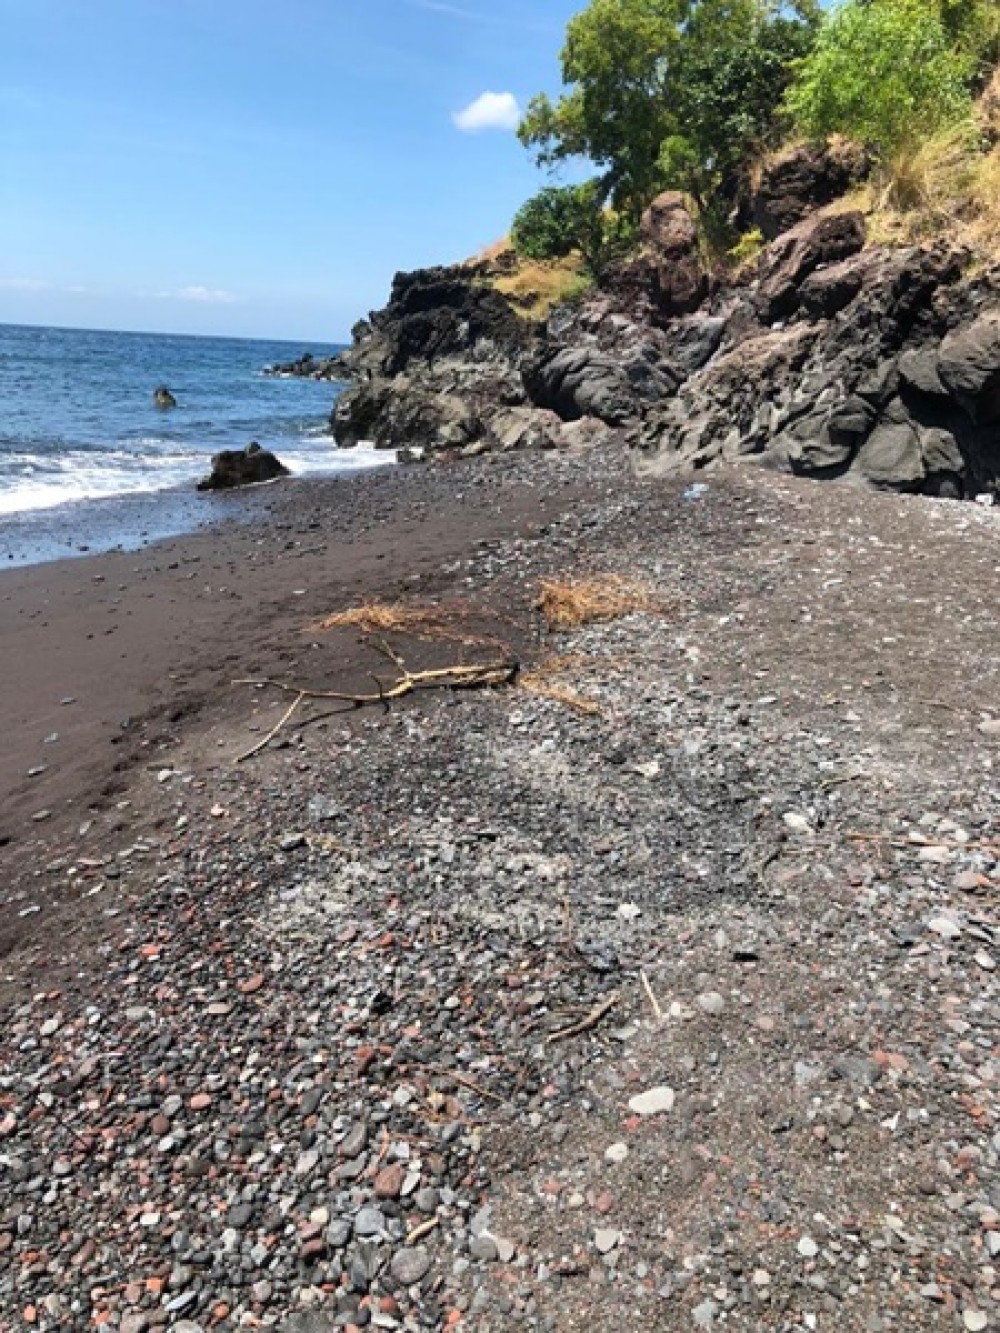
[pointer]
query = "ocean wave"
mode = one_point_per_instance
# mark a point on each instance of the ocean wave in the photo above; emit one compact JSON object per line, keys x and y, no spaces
{"x":43,"y":482}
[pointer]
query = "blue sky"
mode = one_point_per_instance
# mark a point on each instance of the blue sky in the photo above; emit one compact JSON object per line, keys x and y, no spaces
{"x":208,"y":166}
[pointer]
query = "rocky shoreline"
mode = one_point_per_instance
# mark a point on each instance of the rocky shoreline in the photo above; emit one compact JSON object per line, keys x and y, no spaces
{"x":826,"y":357}
{"x":652,"y":987}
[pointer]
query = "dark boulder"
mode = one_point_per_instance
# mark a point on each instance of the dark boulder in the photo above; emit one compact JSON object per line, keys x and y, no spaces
{"x":577,"y":382}
{"x":968,"y":365}
{"x":400,"y":413}
{"x":163,"y":398}
{"x":308,"y":367}
{"x":789,"y":261}
{"x":799,"y":181}
{"x":242,"y":467}
{"x":827,"y":291}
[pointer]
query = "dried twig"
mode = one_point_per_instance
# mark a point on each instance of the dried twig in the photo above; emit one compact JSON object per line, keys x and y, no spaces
{"x":462,"y":676}
{"x":456,"y":1077}
{"x":657,"y":1011}
{"x":459,"y":677}
{"x":585,"y":1024}
{"x":838,"y":781}
{"x":421,"y":1230}
{"x":256,"y":749}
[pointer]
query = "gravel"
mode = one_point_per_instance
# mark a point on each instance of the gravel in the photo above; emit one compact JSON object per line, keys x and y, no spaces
{"x":342,"y":1070}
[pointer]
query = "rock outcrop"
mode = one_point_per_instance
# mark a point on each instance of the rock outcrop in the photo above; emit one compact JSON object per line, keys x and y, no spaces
{"x":830,"y":358}
{"x":680,"y":282}
{"x":882,"y":366}
{"x":242,"y":467}
{"x":306,"y":367}
{"x":799,"y":181}
{"x":431,"y":369}
{"x":163,"y":398}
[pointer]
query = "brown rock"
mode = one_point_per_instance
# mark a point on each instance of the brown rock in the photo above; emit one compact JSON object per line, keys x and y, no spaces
{"x":389,"y":1181}
{"x":668,"y":230}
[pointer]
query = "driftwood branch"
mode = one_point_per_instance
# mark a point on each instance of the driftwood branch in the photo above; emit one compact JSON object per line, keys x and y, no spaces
{"x":285,"y":717}
{"x":476,"y":675}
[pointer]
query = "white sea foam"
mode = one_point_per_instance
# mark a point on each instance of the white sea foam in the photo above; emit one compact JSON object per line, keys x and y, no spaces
{"x":42,"y":482}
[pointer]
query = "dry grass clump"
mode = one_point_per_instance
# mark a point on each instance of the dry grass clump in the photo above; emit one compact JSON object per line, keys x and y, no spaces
{"x":544,"y":680}
{"x":534,"y":287}
{"x":421,"y":622}
{"x":569,"y":603}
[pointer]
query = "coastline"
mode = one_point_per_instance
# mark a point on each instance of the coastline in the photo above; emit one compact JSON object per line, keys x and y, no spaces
{"x":135,"y":519}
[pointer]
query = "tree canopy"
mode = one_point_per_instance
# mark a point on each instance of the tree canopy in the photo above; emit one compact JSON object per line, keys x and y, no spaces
{"x":666,"y":93}
{"x":562,"y":219}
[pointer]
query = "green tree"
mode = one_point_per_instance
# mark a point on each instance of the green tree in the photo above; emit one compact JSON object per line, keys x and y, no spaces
{"x":973,"y":27}
{"x":562,"y":219}
{"x":670,"y":92}
{"x":883,"y":72}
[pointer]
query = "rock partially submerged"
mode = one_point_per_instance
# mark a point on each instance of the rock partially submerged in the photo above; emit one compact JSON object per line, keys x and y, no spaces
{"x":163,"y":398}
{"x":242,"y":467}
{"x":307,"y":367}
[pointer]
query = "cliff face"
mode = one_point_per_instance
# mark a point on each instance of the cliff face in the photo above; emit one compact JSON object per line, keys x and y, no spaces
{"x":830,"y":358}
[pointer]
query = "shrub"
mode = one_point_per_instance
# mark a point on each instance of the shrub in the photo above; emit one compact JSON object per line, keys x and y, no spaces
{"x":883,"y":72}
{"x":561,"y":220}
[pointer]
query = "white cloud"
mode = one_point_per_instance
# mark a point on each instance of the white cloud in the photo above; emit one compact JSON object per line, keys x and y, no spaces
{"x":23,"y":285}
{"x":208,"y":295}
{"x":490,"y":111}
{"x":203,"y":295}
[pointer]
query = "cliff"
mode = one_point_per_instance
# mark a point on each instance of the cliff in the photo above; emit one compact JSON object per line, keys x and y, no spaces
{"x":827,"y":356}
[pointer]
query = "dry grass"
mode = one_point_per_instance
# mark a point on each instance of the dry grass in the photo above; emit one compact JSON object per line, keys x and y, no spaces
{"x":544,"y":680}
{"x":569,"y":603}
{"x":534,"y":287}
{"x":445,"y":621}
{"x":948,"y":185}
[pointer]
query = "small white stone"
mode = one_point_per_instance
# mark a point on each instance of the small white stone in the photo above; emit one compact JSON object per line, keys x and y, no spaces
{"x":945,"y":926}
{"x":606,"y":1238}
{"x":808,"y":1248}
{"x":652,"y":1102}
{"x":975,"y":1321}
{"x":796,"y":822}
{"x":616,"y":1153}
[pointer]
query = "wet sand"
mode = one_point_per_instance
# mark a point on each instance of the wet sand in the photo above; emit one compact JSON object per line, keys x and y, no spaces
{"x":108,"y":658}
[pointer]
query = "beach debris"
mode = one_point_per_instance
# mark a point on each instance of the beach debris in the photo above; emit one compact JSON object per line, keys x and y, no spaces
{"x":568,"y":603}
{"x":591,"y":1021}
{"x":461,"y":676}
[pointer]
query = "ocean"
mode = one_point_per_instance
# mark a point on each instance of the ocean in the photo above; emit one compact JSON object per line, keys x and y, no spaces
{"x":88,"y":462}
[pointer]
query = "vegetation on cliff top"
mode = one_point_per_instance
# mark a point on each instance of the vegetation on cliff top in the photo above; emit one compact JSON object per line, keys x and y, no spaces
{"x":689,"y":94}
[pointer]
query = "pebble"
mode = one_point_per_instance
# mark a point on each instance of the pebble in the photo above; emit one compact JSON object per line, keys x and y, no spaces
{"x":616,"y":1153}
{"x":606,"y":1239}
{"x":653,"y":1102}
{"x":409,"y":1265}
